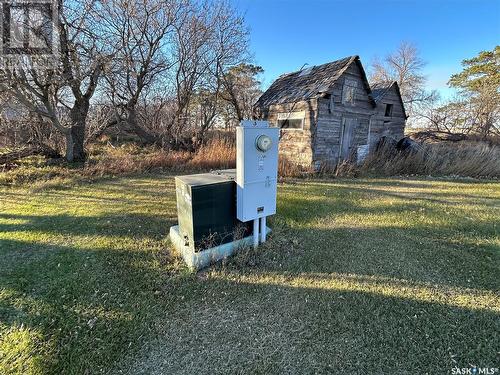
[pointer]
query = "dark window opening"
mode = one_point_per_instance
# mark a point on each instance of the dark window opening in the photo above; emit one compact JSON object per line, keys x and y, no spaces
{"x":388,"y":110}
{"x":290,"y":124}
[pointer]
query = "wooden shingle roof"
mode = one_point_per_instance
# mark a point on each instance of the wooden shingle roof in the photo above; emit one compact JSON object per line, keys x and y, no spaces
{"x":380,"y":89}
{"x":307,"y":83}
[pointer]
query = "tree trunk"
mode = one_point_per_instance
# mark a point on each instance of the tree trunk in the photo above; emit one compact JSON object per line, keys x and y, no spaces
{"x":69,"y":146}
{"x":146,"y":136}
{"x":78,"y":137}
{"x":236,"y":106}
{"x":75,"y":138}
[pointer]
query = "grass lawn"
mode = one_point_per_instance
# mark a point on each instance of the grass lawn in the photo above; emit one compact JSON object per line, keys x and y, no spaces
{"x":364,"y":276}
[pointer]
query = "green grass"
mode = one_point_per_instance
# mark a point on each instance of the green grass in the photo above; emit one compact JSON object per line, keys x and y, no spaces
{"x":359,"y":276}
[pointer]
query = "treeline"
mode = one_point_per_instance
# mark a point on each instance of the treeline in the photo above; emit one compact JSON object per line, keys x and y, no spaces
{"x":166,"y":71}
{"x":169,"y":71}
{"x":475,"y":109}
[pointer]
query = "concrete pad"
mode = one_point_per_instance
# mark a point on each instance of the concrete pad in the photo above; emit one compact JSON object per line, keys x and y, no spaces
{"x":198,"y":260}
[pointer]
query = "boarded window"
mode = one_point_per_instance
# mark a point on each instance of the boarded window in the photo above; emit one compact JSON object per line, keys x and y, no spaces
{"x":388,"y":110}
{"x":290,"y":124}
{"x":292,"y":120}
{"x":349,"y":91}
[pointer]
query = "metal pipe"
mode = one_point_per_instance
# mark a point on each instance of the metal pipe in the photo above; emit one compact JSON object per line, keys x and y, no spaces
{"x":262,"y":229}
{"x":255,"y":233}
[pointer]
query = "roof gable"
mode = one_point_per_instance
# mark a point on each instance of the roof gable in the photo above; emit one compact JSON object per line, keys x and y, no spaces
{"x":308,"y":83}
{"x":380,"y":89}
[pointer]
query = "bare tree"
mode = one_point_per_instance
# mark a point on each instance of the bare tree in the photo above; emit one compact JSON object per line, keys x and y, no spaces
{"x":485,"y":111}
{"x":192,"y":51}
{"x":479,"y":84}
{"x":140,"y":32}
{"x":214,"y":41}
{"x":241,"y":89}
{"x":475,"y":109}
{"x":150,"y":63}
{"x":61,"y":94}
{"x":18,"y":126}
{"x":448,"y":116}
{"x":405,"y":67}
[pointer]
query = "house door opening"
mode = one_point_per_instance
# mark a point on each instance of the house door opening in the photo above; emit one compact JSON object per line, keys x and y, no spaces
{"x":347,"y":139}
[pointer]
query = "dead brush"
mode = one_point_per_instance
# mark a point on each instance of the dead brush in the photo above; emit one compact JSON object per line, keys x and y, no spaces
{"x":282,"y":243}
{"x":115,"y":161}
{"x":216,"y":154}
{"x":287,"y":168}
{"x":244,"y":254}
{"x":164,"y":160}
{"x":346,"y":168}
{"x":464,"y":159}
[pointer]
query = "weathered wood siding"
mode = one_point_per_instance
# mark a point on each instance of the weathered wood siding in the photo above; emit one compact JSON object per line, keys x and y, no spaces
{"x":295,"y":144}
{"x":320,"y":139}
{"x":392,"y":126}
{"x":328,"y":132}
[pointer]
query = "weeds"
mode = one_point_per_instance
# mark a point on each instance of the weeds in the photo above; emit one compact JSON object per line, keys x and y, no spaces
{"x":461,"y":159}
{"x":464,"y":159}
{"x":216,"y":154}
{"x":287,"y":168}
{"x":109,"y":161}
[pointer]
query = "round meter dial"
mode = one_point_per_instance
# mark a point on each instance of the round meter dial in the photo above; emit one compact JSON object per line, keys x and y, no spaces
{"x":263,"y":143}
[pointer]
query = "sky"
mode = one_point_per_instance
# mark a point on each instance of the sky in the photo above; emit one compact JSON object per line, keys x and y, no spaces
{"x":286,"y":34}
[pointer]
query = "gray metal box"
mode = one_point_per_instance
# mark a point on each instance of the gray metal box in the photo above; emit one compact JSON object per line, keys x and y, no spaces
{"x":206,"y":210}
{"x":257,"y":170}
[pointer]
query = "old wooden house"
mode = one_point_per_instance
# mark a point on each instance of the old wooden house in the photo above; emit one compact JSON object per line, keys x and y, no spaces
{"x":329,"y":112}
{"x":390,"y":117}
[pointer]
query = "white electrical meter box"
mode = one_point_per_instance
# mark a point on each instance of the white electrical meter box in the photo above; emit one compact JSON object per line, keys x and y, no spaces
{"x":256,"y":170}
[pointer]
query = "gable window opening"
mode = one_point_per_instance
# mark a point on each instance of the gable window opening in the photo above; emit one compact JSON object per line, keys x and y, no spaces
{"x":349,"y":91}
{"x":349,"y":95}
{"x":388,"y":110}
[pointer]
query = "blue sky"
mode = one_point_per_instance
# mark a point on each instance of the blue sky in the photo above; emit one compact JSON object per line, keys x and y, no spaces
{"x":285,"y":34}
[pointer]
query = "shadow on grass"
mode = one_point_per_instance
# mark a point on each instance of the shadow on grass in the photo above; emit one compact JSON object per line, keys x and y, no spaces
{"x":313,"y":300}
{"x":90,"y":305}
{"x":379,"y":187}
{"x":126,"y":224}
{"x":97,"y":306}
{"x":408,"y":238}
{"x":253,"y":322}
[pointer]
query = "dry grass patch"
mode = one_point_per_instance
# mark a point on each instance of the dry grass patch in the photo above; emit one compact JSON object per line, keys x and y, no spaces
{"x":128,"y":159}
{"x":463,"y":159}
